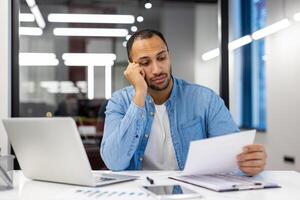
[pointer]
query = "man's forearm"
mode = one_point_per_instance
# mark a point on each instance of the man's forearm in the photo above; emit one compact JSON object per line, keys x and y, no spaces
{"x":121,"y":137}
{"x":139,"y":98}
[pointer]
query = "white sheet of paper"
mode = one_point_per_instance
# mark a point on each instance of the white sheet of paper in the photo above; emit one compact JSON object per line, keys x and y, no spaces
{"x":217,"y":154}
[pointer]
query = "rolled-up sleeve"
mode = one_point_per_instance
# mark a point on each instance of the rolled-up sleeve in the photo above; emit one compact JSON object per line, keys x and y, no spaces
{"x":122,"y":131}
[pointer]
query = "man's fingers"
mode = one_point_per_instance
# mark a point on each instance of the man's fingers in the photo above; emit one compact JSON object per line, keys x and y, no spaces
{"x":251,"y":171}
{"x":253,"y":148}
{"x":252,"y":163}
{"x":251,"y":156}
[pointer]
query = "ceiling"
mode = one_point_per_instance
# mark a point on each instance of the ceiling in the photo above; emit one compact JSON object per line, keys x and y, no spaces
{"x":110,"y":2}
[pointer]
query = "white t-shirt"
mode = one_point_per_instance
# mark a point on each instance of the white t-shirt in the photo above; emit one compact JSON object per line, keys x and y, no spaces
{"x":159,"y":153}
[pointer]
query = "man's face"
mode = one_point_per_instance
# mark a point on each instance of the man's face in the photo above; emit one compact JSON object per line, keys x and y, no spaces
{"x":153,"y":56}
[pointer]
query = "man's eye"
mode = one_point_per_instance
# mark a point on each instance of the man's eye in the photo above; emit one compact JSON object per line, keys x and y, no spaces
{"x":144,"y":63}
{"x":161,"y":58}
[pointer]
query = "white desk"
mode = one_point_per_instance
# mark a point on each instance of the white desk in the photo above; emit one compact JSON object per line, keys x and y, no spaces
{"x":36,"y":190}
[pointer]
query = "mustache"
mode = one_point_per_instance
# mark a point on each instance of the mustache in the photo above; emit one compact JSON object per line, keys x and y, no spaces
{"x":158,"y":76}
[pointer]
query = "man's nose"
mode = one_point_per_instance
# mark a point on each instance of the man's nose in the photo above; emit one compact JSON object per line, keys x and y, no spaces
{"x":156,"y":68}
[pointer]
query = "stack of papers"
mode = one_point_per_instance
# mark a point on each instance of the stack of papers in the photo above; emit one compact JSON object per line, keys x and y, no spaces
{"x":212,"y":164}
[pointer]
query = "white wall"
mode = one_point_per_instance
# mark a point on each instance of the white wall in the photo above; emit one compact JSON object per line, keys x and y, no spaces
{"x":207,"y":73}
{"x":283,"y":95}
{"x":206,"y":39}
{"x":177,"y":25}
{"x":4,"y":70}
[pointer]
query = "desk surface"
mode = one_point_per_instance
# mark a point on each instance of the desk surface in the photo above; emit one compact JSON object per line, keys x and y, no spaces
{"x":36,"y":190}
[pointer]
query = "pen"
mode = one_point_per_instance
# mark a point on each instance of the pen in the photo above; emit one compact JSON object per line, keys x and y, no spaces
{"x":151,"y":181}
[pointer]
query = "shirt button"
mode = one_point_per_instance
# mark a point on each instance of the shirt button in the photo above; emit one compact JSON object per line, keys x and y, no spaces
{"x":152,"y":113}
{"x":141,"y":158}
{"x":146,"y":135}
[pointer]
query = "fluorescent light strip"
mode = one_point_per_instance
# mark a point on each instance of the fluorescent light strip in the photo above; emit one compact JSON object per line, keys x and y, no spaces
{"x":297,"y":16}
{"x":239,"y":42}
{"x":273,"y":28}
{"x":108,"y":69}
{"x":86,"y":59}
{"x":91,"y":18}
{"x":26,"y":17}
{"x":38,"y":16}
{"x":30,"y":3}
{"x":34,"y":31}
{"x":87,"y":63}
{"x":89,"y":56}
{"x":91,"y":82}
{"x":38,"y":59}
{"x":92,"y":32}
{"x":211,"y":54}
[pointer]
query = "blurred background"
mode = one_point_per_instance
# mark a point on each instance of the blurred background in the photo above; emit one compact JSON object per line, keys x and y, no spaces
{"x":73,"y":53}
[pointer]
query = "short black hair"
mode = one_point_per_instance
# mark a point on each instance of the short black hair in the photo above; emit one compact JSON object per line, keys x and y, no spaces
{"x":143,"y":34}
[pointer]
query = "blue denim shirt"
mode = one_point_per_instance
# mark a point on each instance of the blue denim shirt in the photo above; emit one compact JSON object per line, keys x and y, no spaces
{"x":195,"y":112}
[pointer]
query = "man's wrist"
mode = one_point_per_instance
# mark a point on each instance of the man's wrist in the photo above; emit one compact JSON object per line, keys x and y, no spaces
{"x":139,"y":98}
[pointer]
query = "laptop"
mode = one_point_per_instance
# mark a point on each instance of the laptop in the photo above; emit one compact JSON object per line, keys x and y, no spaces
{"x":50,"y":149}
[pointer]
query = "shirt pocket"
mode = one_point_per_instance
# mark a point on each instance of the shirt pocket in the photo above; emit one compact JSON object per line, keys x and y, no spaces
{"x":192,"y":130}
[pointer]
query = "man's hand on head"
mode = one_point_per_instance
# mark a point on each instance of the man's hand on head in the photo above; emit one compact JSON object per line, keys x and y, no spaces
{"x":135,"y":75}
{"x":253,"y":159}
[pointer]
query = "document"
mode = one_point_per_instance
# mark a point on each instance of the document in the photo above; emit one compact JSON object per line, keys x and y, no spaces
{"x":85,"y":193}
{"x":217,"y":154}
{"x":212,"y":164}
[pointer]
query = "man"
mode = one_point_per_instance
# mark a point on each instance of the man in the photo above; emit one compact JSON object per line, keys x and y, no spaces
{"x":150,"y":124}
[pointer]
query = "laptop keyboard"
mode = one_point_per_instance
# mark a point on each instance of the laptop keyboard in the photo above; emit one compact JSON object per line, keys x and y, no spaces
{"x":101,"y":179}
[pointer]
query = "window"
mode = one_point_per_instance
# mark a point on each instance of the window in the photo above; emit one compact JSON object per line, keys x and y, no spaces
{"x":253,"y":67}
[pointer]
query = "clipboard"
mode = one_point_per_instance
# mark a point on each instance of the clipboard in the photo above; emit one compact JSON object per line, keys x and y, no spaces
{"x":226,"y":182}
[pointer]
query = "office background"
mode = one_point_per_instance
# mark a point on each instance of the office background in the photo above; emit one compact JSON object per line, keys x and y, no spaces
{"x":263,"y":74}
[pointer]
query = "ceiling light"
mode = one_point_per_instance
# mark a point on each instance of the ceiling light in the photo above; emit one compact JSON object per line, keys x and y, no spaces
{"x":140,"y":18}
{"x":211,"y":54}
{"x":92,"y":32}
{"x":148,"y":5}
{"x":128,"y":37}
{"x":297,"y":16}
{"x":133,"y":28}
{"x":87,"y":63}
{"x":239,"y":42}
{"x":34,"y":31}
{"x":26,"y":17}
{"x":89,"y":56}
{"x":91,"y":18}
{"x":273,"y":28}
{"x":87,"y":59}
{"x":38,"y":59}
{"x":30,"y":3}
{"x":38,"y":16}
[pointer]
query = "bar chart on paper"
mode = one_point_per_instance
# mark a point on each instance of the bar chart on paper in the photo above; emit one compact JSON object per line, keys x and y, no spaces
{"x":102,"y":193}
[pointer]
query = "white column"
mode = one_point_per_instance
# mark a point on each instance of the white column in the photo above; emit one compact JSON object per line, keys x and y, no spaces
{"x":91,"y":81}
{"x":5,"y":70}
{"x":108,"y":81}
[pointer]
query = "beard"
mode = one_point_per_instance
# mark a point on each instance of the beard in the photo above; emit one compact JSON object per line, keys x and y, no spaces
{"x":162,"y":86}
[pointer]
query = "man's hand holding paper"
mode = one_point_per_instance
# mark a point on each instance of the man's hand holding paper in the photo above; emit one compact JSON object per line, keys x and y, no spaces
{"x":252,"y":160}
{"x":226,"y":154}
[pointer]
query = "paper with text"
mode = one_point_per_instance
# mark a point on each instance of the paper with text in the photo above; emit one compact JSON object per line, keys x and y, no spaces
{"x":217,"y":154}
